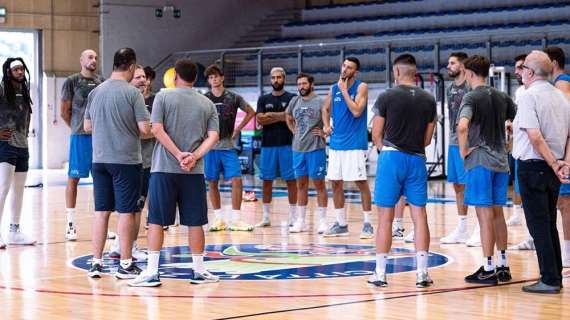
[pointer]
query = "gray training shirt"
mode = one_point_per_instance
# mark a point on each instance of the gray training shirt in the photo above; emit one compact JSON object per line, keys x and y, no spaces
{"x":76,"y":89}
{"x":187,"y":116}
{"x":115,"y":108}
{"x":307,"y":115}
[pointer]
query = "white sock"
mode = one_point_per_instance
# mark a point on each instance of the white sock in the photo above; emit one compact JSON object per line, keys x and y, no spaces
{"x":381,"y":261}
{"x":125,"y":263}
{"x":152,"y":264}
{"x":421,"y":261}
{"x":322,"y":211}
{"x":567,"y":249}
{"x":502,"y":259}
{"x":6,"y":178}
{"x":488,"y":264}
{"x":398,"y":223}
{"x":70,"y":212}
{"x":302,"y":213}
{"x":340,"y":216}
{"x":96,"y":261}
{"x":235,"y":215}
{"x":218,"y":214}
{"x":367,"y":216}
{"x":16,"y":195}
{"x":198,"y":262}
{"x":462,"y":224}
{"x":292,"y":212}
{"x":266,"y":207}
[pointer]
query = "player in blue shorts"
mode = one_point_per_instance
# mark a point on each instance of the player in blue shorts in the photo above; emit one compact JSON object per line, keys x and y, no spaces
{"x":309,"y":155}
{"x":401,"y":169}
{"x":74,"y":94}
{"x":276,"y":158}
{"x":562,"y":82}
{"x":481,"y":125}
{"x":223,"y":158}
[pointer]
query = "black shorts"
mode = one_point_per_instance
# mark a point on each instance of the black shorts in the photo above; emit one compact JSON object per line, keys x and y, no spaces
{"x":18,"y":157}
{"x":116,"y":187}
{"x":145,"y":177}
{"x":167,"y":190}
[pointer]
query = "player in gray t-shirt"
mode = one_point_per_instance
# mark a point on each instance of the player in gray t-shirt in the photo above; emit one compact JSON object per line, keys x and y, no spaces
{"x":185,"y":123}
{"x":117,"y":117}
{"x":74,"y":94}
{"x":309,"y":157}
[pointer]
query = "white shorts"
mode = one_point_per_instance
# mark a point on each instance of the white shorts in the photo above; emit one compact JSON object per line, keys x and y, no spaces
{"x":347,"y":165}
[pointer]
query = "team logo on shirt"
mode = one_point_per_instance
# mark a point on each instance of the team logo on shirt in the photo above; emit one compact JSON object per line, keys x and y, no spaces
{"x":277,"y":261}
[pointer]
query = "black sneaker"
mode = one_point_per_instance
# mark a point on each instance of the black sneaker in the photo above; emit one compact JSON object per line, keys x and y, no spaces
{"x":95,"y":271}
{"x":131,"y":272}
{"x":483,"y":277}
{"x":504,"y":274}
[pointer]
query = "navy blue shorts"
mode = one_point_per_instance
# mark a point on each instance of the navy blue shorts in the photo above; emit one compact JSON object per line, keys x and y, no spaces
{"x":168,"y":190}
{"x":117,"y":187}
{"x":18,"y":157}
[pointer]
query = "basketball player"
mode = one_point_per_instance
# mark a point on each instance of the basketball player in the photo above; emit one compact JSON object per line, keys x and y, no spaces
{"x":401,"y":169}
{"x":74,"y":94}
{"x":185,"y":123}
{"x":117,"y":117}
{"x":346,"y":104}
{"x":482,"y":144}
{"x":276,"y":153}
{"x":15,"y":115}
{"x":223,"y":157}
{"x":309,"y":157}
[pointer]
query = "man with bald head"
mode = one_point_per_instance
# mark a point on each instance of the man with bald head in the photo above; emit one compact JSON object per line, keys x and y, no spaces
{"x":74,"y":94}
{"x":541,"y":137}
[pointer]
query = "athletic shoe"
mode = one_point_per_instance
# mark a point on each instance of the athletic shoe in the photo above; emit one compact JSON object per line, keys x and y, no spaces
{"x":164,"y":228}
{"x":249,"y":196}
{"x":367,"y":231}
{"x":565,"y":262}
{"x":95,"y":271}
{"x":398,"y":233}
{"x":456,"y":236}
{"x":504,"y":274}
{"x":527,"y":244}
{"x":20,"y":239}
{"x":514,"y":220}
{"x":475,"y":239}
{"x":264,"y":223}
{"x":70,"y":232}
{"x":423,"y":280}
{"x":299,"y":226}
{"x":115,"y":249}
{"x":138,"y":254}
{"x":541,"y":287}
{"x":130,"y":272}
{"x":322,"y":226}
{"x":240,"y":226}
{"x":2,"y":244}
{"x":378,"y":279}
{"x":410,"y":237}
{"x":219,"y":225}
{"x":111,"y":235}
{"x":203,"y":277}
{"x":146,"y":280}
{"x":483,"y":277}
{"x":336,"y":230}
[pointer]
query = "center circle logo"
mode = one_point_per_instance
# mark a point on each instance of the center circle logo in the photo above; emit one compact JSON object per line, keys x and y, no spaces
{"x":276,"y":262}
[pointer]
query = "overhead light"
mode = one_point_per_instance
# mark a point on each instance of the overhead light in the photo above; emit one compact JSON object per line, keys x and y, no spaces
{"x":176,"y":13}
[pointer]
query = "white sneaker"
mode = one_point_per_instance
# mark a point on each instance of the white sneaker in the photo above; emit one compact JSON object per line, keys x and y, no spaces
{"x":203,"y":277}
{"x":139,"y":254}
{"x":20,"y":238}
{"x":410,"y":237}
{"x":299,"y":226}
{"x":2,"y":244}
{"x":456,"y":236}
{"x":527,"y":244}
{"x":70,"y":232}
{"x":115,"y":249}
{"x":145,"y":279}
{"x":475,"y":239}
{"x":264,"y":223}
{"x":514,"y":220}
{"x":111,"y":235}
{"x":322,"y":226}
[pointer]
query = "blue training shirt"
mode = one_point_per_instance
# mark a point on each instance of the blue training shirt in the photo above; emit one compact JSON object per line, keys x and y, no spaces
{"x":563,"y":77}
{"x":349,"y":133}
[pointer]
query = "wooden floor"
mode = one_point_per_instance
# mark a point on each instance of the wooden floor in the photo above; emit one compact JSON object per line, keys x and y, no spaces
{"x":42,"y":281}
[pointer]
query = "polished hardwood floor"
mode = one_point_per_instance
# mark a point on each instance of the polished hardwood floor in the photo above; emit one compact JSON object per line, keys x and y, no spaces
{"x":266,"y":273}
